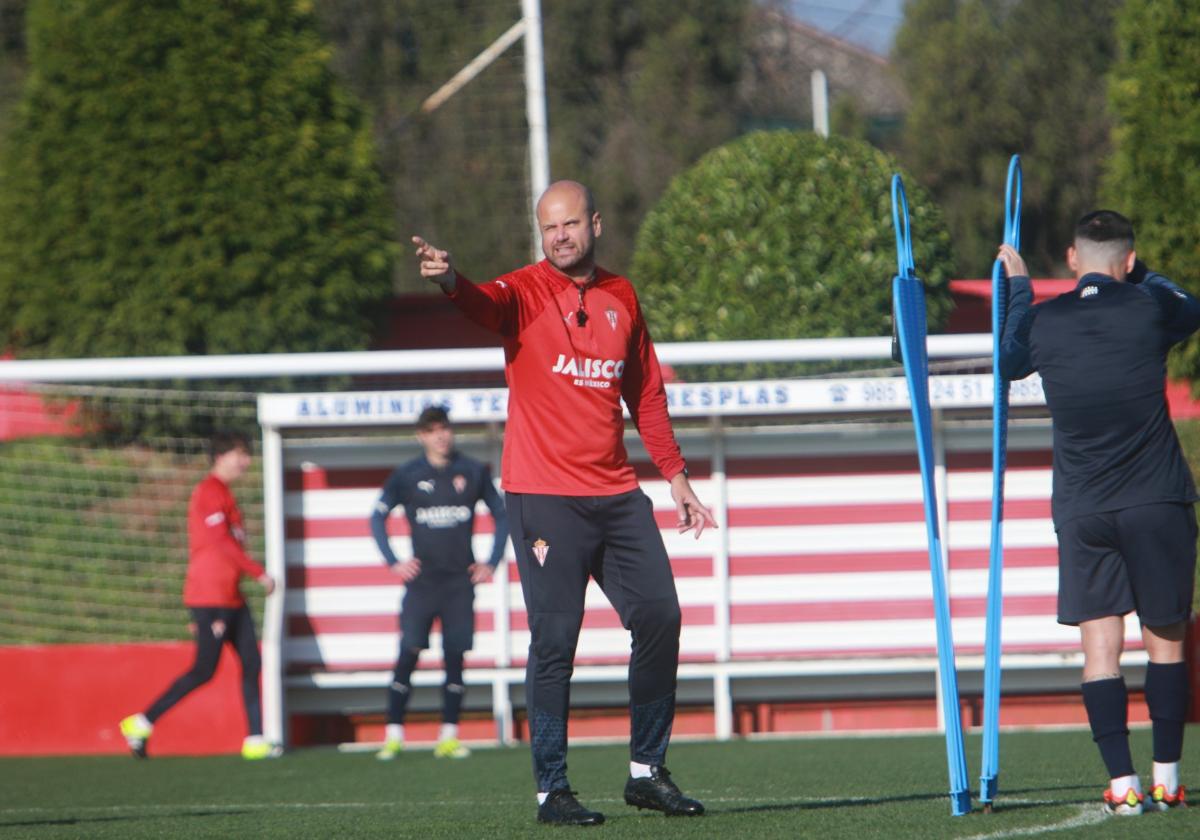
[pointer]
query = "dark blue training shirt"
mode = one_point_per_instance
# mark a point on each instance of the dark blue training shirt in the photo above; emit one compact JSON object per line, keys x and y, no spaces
{"x":1101,"y":351}
{"x":440,"y":506}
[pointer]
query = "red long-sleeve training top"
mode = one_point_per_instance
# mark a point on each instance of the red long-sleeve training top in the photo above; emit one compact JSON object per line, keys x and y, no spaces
{"x":217,"y":557}
{"x":566,"y":380}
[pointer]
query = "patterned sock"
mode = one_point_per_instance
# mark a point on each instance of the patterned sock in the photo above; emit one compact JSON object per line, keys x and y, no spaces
{"x":651,"y":730}
{"x":548,"y":740}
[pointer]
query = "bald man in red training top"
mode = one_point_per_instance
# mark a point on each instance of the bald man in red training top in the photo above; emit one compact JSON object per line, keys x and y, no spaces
{"x":575,"y":345}
{"x":217,"y":561}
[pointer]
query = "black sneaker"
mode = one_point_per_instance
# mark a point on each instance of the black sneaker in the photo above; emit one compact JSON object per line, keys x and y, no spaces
{"x":659,"y":793}
{"x":562,"y":808}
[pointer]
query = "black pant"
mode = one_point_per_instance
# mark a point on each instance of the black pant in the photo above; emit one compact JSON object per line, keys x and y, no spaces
{"x":560,"y":541}
{"x":216,"y":626}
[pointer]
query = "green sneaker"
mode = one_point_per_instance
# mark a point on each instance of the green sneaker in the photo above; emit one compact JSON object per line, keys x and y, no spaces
{"x":450,"y":748}
{"x":136,"y":730}
{"x":391,"y":749}
{"x":256,"y":748}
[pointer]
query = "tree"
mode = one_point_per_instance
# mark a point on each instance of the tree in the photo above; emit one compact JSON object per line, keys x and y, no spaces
{"x":12,"y":56}
{"x":1154,"y":172}
{"x":784,"y":235}
{"x":186,"y":177}
{"x":639,"y":92}
{"x":990,"y":78}
{"x":458,"y":175}
{"x":635,"y":92}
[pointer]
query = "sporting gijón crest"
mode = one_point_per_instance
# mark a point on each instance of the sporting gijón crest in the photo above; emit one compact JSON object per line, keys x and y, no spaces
{"x":541,"y":548}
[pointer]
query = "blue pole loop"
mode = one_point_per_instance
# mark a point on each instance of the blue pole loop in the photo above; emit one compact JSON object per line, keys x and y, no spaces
{"x":905,"y":266}
{"x":910,"y":331}
{"x":1012,"y":204}
{"x":989,"y":775}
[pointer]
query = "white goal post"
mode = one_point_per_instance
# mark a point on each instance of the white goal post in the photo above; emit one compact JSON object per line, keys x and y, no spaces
{"x":739,"y":626}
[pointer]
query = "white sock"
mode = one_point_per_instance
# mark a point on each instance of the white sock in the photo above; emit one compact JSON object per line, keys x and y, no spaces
{"x":254,"y":740}
{"x":394,"y":732}
{"x":144,"y":721}
{"x":639,"y":771}
{"x":542,"y":797}
{"x":1121,"y":785}
{"x":448,"y":731}
{"x":1167,"y":775}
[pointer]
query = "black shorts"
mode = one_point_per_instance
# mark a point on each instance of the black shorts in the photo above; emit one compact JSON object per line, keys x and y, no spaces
{"x":1141,"y":558}
{"x":561,"y":541}
{"x":451,"y":599}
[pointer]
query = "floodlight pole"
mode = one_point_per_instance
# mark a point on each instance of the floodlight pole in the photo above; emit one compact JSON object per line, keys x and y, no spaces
{"x":535,"y":114}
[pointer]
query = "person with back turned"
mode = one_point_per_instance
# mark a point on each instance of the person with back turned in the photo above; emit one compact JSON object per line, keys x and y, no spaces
{"x":1123,"y":494}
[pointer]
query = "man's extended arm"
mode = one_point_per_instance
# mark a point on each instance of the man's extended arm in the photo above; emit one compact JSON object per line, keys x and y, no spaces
{"x":1180,"y":310}
{"x":492,"y":306}
{"x":1015,"y":359}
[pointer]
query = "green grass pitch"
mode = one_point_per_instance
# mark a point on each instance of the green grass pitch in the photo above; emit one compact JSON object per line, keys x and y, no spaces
{"x":823,"y":788}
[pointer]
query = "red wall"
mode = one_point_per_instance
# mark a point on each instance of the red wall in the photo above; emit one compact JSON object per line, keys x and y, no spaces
{"x":68,"y":699}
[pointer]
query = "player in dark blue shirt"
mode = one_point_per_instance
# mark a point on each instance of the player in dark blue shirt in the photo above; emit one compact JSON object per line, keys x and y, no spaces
{"x":438,"y":491}
{"x":1123,"y":495}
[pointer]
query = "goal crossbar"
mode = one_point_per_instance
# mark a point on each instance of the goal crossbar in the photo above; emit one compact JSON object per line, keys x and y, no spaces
{"x":264,"y":365}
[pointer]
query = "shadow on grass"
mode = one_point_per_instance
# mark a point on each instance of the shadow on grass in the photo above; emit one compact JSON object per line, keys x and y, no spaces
{"x":131,"y":818}
{"x":1001,"y":804}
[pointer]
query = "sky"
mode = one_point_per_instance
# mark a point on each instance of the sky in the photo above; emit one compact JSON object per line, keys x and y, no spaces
{"x":868,"y":23}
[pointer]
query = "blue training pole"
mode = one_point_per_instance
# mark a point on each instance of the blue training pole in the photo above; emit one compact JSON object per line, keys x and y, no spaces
{"x":908,"y":302}
{"x":989,"y":775}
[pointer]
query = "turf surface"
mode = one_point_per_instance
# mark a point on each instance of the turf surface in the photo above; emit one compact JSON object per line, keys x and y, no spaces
{"x":825,"y":788}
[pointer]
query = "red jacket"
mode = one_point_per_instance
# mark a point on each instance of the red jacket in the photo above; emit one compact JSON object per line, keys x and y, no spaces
{"x":565,"y":428}
{"x":216,"y":555}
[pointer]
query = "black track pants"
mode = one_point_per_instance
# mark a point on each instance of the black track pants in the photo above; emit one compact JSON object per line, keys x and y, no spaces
{"x":236,"y":627}
{"x":560,"y":541}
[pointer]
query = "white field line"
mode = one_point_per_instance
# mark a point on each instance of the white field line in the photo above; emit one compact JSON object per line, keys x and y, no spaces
{"x":1087,"y":815}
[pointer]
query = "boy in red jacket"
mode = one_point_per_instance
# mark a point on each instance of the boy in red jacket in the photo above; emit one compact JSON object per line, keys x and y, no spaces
{"x":217,"y":560}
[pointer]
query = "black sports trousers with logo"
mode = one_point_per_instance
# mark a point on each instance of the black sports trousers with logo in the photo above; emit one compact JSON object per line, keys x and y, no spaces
{"x":561,"y":541}
{"x":217,"y":626}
